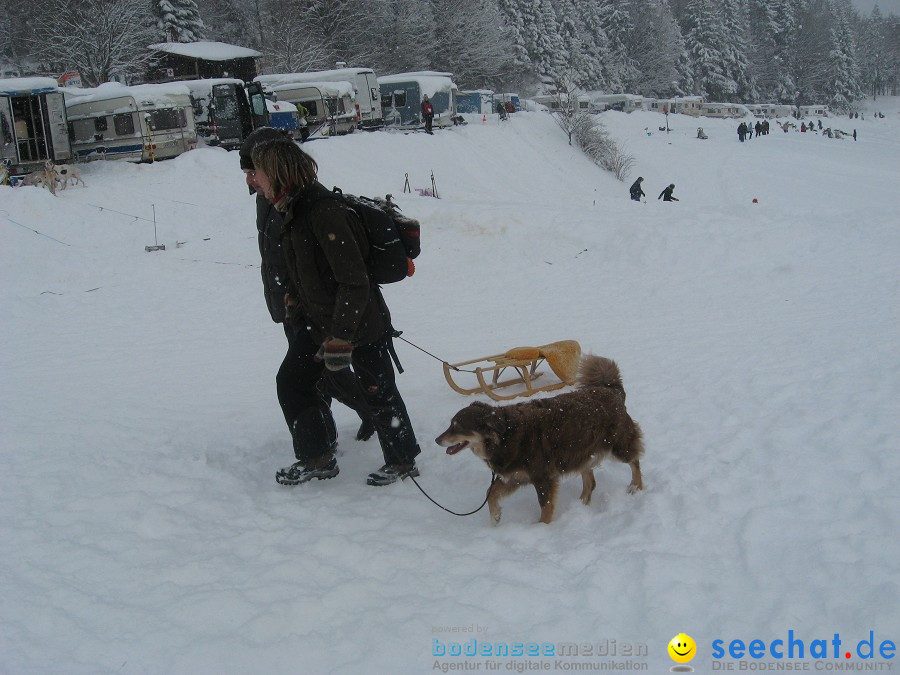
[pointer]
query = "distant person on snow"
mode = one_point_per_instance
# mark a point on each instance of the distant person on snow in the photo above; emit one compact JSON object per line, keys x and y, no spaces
{"x":636,"y":191}
{"x":742,"y":131}
{"x":666,"y":195}
{"x":427,"y":113}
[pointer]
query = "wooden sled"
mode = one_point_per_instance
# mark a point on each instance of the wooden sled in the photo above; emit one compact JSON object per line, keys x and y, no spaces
{"x":562,"y":357}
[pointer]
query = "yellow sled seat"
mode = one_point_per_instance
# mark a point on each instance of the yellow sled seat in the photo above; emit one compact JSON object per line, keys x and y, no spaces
{"x":562,"y":357}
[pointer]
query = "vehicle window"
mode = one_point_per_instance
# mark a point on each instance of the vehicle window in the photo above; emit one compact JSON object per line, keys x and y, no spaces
{"x":312,"y":108}
{"x":81,"y":130}
{"x":400,"y":98}
{"x":166,"y":119}
{"x":100,"y":124}
{"x":124,"y":124}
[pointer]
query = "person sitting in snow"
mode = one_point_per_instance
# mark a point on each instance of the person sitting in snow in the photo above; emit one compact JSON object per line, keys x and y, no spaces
{"x":666,"y":195}
{"x":636,"y":191}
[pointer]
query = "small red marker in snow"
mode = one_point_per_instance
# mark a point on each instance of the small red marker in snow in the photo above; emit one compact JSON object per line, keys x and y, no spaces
{"x":755,"y":200}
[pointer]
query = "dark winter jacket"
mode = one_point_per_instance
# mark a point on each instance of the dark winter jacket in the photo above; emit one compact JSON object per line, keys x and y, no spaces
{"x":274,"y":270}
{"x":636,"y":191}
{"x":666,"y":195}
{"x":325,"y":248}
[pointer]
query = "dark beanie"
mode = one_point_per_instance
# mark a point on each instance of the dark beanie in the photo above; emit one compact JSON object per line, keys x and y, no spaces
{"x":254,"y":139}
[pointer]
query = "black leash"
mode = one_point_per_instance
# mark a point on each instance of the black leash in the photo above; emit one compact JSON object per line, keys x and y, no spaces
{"x":398,"y":334}
{"x":493,"y":480}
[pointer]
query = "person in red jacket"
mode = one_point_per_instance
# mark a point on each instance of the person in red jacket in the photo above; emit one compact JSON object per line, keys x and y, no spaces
{"x":427,"y":113}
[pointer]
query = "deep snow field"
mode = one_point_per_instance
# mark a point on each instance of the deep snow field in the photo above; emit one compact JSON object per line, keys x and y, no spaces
{"x":142,"y":529}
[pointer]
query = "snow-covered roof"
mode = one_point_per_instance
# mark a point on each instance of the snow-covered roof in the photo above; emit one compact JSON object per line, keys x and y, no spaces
{"x":28,"y":85}
{"x":205,"y":86}
{"x":152,"y":94}
{"x":208,"y":51}
{"x":314,"y":75}
{"x":280,"y":106}
{"x":328,"y":88}
{"x":430,"y":82}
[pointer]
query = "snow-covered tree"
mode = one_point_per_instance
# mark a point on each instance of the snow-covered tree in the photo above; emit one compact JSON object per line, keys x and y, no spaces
{"x":467,"y":40}
{"x":594,"y":46}
{"x":705,"y":44}
{"x":809,"y":51}
{"x":616,"y":23}
{"x":771,"y":27}
{"x":98,"y":39}
{"x":656,"y":48}
{"x":404,"y":29}
{"x":178,"y":20}
{"x":736,"y":49}
{"x":843,"y":85}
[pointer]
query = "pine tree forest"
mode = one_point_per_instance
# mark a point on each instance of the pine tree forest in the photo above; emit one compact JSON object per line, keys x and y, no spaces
{"x":778,"y":51}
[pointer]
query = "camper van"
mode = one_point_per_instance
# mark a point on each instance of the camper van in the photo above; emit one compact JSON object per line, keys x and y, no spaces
{"x":32,"y":124}
{"x":142,"y":123}
{"x":724,"y":110}
{"x":221,"y":110}
{"x":364,"y":84}
{"x":327,"y":106}
{"x":621,"y":102}
{"x":285,"y":116}
{"x":480,"y":101}
{"x":401,"y":98}
{"x":813,"y":111}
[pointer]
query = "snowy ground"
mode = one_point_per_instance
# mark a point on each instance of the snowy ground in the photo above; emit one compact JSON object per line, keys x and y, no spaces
{"x":143,"y":531}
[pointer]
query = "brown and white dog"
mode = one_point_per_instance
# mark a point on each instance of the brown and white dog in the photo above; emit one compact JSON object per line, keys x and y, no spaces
{"x":539,"y":441}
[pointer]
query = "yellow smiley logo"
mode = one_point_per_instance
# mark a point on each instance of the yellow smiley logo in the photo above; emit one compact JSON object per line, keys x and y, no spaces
{"x":682,"y":648}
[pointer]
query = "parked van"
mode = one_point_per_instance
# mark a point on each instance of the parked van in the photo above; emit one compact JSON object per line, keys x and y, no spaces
{"x":365,"y":93}
{"x":32,"y":124}
{"x":221,"y":110}
{"x":142,"y":123}
{"x":813,"y":111}
{"x":724,"y":110}
{"x":327,"y":106}
{"x":621,"y":102}
{"x":480,"y":101}
{"x":401,"y":98}
{"x":285,"y":116}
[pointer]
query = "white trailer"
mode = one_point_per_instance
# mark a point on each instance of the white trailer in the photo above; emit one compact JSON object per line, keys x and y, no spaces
{"x":142,"y":123}
{"x":32,"y":124}
{"x":327,"y":106}
{"x":366,"y":95}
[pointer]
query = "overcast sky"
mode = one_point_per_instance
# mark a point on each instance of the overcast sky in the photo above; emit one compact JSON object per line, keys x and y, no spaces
{"x":887,"y":6}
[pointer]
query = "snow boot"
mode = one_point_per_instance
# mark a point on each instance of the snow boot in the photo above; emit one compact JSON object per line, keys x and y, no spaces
{"x":391,"y":473}
{"x":299,"y":472}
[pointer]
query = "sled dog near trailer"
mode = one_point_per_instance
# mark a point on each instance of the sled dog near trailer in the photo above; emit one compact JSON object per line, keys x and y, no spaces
{"x":401,"y":98}
{"x":365,"y":93}
{"x":32,"y":124}
{"x":142,"y":123}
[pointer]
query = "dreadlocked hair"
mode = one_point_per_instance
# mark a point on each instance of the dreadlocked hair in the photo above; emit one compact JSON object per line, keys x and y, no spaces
{"x":286,"y":165}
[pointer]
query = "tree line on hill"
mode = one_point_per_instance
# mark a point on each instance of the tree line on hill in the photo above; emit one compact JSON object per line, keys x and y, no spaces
{"x":779,"y":51}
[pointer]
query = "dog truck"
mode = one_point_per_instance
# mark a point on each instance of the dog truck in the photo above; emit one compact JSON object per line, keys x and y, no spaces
{"x":32,"y":125}
{"x":366,"y":94}
{"x":141,"y":123}
{"x":221,"y":110}
{"x":401,"y":98}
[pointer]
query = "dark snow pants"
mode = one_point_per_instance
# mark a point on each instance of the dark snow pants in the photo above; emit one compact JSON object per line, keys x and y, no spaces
{"x":309,"y":418}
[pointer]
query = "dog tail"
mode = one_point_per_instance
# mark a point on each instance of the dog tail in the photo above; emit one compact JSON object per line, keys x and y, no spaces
{"x":599,"y":371}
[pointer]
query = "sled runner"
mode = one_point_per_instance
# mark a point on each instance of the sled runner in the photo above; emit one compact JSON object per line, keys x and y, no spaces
{"x":562,"y":357}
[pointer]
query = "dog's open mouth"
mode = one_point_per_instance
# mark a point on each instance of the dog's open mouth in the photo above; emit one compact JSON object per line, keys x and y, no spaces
{"x":453,"y":449}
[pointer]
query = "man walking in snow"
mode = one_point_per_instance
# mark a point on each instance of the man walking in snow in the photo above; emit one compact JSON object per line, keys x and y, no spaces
{"x":635,"y":189}
{"x":340,"y":385}
{"x":666,"y":195}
